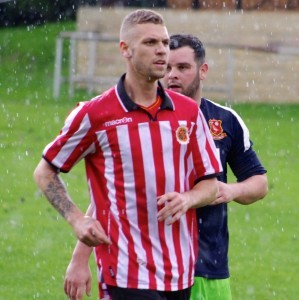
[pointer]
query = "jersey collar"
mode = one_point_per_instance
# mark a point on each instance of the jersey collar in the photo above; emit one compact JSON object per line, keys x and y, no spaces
{"x":130,"y":105}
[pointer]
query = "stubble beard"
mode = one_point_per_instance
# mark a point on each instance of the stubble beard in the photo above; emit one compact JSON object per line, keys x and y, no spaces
{"x":149,"y":72}
{"x":155,"y":75}
{"x":192,"y":88}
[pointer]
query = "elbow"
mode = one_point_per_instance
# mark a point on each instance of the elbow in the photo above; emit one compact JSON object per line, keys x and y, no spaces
{"x":264,"y":194}
{"x":264,"y":187}
{"x":258,"y":191}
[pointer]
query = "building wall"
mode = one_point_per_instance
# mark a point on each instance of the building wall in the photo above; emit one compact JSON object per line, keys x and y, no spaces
{"x":206,"y":4}
{"x":258,"y":75}
{"x":233,"y":4}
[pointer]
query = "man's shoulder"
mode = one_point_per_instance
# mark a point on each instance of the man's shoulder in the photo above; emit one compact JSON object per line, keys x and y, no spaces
{"x":215,"y":105}
{"x":106,"y":97}
{"x":223,"y":110}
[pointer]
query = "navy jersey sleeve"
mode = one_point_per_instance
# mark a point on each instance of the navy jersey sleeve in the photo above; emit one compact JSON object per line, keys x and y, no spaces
{"x":242,"y":159}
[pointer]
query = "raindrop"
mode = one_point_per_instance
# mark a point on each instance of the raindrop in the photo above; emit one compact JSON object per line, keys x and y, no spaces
{"x":57,"y":119}
{"x":250,"y":290}
{"x":247,"y":217}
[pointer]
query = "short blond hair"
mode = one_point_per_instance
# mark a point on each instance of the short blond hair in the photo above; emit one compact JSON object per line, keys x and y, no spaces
{"x":140,"y":16}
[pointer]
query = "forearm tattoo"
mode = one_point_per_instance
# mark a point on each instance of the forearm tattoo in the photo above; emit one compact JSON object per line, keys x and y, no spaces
{"x":57,"y":195}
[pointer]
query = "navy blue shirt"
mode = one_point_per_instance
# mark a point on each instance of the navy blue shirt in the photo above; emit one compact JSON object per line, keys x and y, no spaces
{"x":231,"y":137}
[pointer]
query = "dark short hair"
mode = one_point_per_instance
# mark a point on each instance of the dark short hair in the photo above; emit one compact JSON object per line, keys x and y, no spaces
{"x":181,"y":40}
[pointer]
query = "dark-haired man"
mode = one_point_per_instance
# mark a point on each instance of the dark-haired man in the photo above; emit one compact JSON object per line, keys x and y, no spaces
{"x":186,"y":71}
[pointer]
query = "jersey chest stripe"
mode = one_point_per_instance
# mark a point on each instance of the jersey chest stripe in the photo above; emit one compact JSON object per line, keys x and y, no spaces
{"x":122,"y":209}
{"x":183,"y":161}
{"x":173,"y":238}
{"x":144,"y":224}
{"x":167,"y":140}
{"x":186,"y":248}
{"x":160,"y":144}
{"x":115,"y":228}
{"x":146,"y":143}
{"x":170,"y":185}
{"x":132,"y":208}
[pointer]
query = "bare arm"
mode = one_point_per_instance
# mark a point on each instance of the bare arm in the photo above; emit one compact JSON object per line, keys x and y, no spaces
{"x":246,"y":192}
{"x":86,"y":228}
{"x":77,"y":279}
{"x":177,"y":204}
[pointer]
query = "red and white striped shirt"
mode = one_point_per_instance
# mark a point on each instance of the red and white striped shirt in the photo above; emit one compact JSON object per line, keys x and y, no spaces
{"x":131,"y":158}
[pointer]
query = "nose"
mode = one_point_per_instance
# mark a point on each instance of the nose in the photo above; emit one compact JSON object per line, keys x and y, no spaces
{"x":162,"y":48}
{"x":172,"y":73}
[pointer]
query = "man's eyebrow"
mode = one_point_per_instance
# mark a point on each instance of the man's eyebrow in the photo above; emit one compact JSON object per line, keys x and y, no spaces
{"x":183,"y":64}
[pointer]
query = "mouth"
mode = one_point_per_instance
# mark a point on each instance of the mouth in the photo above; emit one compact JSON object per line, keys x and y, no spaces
{"x":174,"y":86}
{"x":161,"y":63}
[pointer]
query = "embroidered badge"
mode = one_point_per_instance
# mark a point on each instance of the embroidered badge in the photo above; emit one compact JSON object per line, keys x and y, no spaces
{"x":216,"y":129}
{"x":182,"y":135}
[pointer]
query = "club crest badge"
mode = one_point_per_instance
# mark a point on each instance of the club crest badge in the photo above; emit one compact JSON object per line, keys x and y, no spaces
{"x":182,"y":135}
{"x":216,"y":129}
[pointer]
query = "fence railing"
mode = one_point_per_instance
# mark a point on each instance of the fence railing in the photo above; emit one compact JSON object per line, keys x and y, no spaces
{"x":90,"y":78}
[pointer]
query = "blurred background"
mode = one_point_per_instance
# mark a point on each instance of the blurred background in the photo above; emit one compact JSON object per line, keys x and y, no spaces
{"x":252,"y":45}
{"x":15,"y":12}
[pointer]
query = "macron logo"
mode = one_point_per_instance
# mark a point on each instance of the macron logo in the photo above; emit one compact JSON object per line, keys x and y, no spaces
{"x":118,"y":122}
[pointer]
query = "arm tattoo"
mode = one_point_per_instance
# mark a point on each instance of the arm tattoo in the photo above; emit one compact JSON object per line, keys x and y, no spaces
{"x":58,"y":197}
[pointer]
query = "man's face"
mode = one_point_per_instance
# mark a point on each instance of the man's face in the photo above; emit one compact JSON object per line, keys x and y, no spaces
{"x":182,"y":72}
{"x":148,"y":50}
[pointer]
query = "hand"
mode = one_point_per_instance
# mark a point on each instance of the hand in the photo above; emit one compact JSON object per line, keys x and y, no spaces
{"x":90,"y":232}
{"x":176,"y":204}
{"x":77,"y":279}
{"x":225,"y":193}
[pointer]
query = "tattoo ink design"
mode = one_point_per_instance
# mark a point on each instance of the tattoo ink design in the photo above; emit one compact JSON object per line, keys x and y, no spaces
{"x":57,"y":196}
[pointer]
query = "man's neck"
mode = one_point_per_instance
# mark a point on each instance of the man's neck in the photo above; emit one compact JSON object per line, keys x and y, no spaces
{"x":141,"y":91}
{"x":197,"y":97}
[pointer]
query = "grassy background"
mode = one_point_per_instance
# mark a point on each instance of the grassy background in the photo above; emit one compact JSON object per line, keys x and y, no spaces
{"x":36,"y":244}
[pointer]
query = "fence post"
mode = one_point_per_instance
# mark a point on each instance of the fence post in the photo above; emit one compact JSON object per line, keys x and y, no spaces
{"x":57,"y":67}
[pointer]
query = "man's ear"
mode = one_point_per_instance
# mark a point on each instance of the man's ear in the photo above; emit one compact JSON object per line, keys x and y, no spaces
{"x":124,"y":49}
{"x":203,"y":70}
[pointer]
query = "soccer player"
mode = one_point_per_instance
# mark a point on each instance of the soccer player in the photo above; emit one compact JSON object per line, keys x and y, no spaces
{"x":150,"y":160}
{"x":186,"y":71}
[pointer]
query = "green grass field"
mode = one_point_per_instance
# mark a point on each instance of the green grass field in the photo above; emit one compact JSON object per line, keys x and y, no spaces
{"x":36,"y":243}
